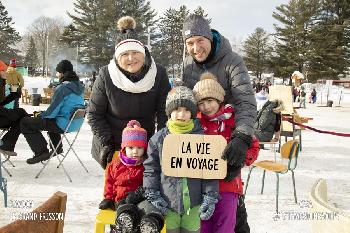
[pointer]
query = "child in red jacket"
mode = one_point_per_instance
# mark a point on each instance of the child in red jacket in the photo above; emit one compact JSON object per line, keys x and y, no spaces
{"x":218,"y":119}
{"x":124,"y":176}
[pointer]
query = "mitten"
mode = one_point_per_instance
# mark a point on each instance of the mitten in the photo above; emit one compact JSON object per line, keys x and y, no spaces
{"x":156,"y":199}
{"x":236,"y":149}
{"x":107,"y":204}
{"x":106,"y":155}
{"x":207,"y":208}
{"x":135,"y":197}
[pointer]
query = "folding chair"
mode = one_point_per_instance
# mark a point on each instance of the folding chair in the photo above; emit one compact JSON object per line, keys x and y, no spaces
{"x":289,"y":151}
{"x":7,"y":157}
{"x":78,"y":114}
{"x":3,"y":184}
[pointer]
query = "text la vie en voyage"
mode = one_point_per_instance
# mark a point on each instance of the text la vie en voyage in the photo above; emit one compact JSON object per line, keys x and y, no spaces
{"x":202,"y":163}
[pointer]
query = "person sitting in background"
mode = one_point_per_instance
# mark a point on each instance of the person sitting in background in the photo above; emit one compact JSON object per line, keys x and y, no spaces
{"x":9,"y":119}
{"x":68,"y":96}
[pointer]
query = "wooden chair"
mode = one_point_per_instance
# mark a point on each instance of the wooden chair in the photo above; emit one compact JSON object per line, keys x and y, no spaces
{"x":48,"y":93}
{"x":25,"y":96}
{"x":40,"y":222}
{"x":87,"y":95}
{"x":290,"y":130}
{"x":289,"y":151}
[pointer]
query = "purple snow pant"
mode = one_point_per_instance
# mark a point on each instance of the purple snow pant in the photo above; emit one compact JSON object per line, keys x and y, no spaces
{"x":224,"y":217}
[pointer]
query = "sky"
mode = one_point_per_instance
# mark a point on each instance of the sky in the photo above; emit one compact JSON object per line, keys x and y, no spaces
{"x":235,"y":19}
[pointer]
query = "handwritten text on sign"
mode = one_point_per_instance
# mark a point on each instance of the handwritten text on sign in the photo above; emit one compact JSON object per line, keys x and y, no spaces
{"x":194,"y":156}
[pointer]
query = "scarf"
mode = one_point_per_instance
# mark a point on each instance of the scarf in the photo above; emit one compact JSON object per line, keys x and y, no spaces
{"x":225,"y":112}
{"x":128,"y":161}
{"x":121,"y":81}
{"x":180,"y":127}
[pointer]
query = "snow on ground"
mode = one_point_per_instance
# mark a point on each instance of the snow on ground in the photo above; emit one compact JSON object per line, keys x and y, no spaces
{"x":323,"y":156}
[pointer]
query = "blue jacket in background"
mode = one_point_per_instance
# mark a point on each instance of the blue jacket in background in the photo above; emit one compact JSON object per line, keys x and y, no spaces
{"x":67,"y":97}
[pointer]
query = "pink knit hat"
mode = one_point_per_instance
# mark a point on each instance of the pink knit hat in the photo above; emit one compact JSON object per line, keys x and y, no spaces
{"x":134,"y":135}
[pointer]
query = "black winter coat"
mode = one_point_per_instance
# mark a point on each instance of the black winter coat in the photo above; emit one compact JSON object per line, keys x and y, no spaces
{"x":268,"y":121}
{"x":111,"y":108}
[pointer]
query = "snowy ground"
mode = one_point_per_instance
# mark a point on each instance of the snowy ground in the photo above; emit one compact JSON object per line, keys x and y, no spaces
{"x":323,"y":156}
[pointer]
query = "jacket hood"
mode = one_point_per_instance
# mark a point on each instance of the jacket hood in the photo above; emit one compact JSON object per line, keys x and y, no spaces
{"x":74,"y":86}
{"x":279,"y":106}
{"x":11,"y":69}
{"x":276,"y":106}
{"x":222,"y":47}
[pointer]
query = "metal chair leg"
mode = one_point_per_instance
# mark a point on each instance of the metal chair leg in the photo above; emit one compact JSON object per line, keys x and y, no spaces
{"x":295,"y":192}
{"x":248,"y":178}
{"x":5,"y":191}
{"x":277,"y":190}
{"x":263,"y":183}
{"x":6,"y":170}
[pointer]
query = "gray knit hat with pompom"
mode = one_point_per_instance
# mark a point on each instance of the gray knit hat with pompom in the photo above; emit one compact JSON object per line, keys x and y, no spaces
{"x":181,"y":96}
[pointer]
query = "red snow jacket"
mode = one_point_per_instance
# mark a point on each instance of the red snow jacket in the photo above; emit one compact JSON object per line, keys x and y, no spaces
{"x":222,"y":123}
{"x":121,"y":179}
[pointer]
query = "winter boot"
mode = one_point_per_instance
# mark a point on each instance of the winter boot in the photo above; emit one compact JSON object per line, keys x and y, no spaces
{"x":128,"y":217}
{"x":151,"y":224}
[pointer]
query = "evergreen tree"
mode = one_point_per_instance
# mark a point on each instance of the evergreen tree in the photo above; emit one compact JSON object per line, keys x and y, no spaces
{"x":200,"y":11}
{"x":8,"y":36}
{"x":331,"y":39}
{"x":95,"y":24}
{"x":170,"y":25}
{"x":257,"y":52}
{"x":31,"y":58}
{"x":292,"y":38}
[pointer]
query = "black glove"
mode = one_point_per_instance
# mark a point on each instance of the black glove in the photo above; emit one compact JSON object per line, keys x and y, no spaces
{"x":236,"y":150}
{"x":232,"y":172}
{"x":135,"y":197}
{"x":107,"y":204}
{"x":119,"y":203}
{"x":106,"y":155}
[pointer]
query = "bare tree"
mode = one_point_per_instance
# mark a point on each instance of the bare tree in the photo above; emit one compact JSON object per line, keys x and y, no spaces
{"x":46,"y":32}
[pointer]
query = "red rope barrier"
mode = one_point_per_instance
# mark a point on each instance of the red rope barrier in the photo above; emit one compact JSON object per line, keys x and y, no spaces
{"x":314,"y":129}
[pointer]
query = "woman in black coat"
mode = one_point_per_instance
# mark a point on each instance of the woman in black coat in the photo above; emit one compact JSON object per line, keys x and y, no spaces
{"x":130,"y":87}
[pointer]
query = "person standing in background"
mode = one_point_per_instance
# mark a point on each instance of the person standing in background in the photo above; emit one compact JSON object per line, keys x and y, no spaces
{"x":16,"y":82}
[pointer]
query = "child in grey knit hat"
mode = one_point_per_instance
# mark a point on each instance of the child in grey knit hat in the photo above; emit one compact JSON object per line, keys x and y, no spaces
{"x":183,"y":201}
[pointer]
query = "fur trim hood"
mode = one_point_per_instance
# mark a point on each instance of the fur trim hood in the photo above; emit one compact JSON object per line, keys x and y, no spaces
{"x":280,"y":106}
